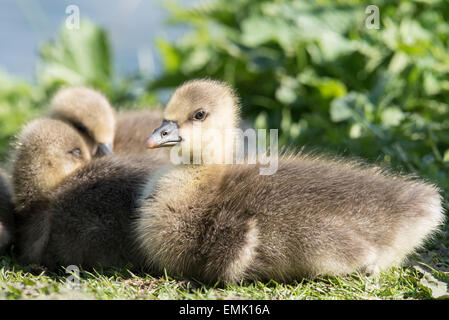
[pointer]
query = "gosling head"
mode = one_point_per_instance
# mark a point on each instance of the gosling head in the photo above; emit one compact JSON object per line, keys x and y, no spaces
{"x":47,"y":151}
{"x":202,"y":107}
{"x":88,"y":111}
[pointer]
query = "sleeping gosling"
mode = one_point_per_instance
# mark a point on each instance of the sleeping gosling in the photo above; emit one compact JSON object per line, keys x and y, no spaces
{"x":73,"y":209}
{"x":104,"y":130}
{"x":90,"y":113}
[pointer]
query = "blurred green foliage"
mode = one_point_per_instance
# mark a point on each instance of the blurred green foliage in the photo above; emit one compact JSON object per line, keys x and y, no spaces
{"x":75,"y":57}
{"x":313,"y":69}
{"x":310,"y":68}
{"x":18,"y":103}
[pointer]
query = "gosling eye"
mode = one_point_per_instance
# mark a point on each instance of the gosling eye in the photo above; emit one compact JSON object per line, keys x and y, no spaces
{"x":76,"y":152}
{"x":199,"y":115}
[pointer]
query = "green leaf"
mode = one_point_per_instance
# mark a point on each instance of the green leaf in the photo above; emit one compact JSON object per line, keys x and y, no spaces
{"x":196,"y":60}
{"x":78,"y":56}
{"x":170,"y":57}
{"x":257,"y":30}
{"x":398,"y":62}
{"x":392,"y":116}
{"x":431,"y":84}
{"x":446,"y":155}
{"x":331,"y":88}
{"x":260,"y":30}
{"x":340,"y":109}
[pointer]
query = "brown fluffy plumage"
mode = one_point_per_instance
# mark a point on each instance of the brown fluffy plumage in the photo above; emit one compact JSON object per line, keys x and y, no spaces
{"x":7,"y":229}
{"x":46,"y":152}
{"x":132,"y":130}
{"x":89,"y":220}
{"x":313,"y":216}
{"x":71,"y":209}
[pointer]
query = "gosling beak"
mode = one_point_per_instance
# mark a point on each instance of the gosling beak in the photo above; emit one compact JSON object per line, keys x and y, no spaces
{"x":164,"y":136}
{"x":103,"y":149}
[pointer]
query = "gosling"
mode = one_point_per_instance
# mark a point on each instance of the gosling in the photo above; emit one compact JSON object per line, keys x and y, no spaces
{"x":73,"y":209}
{"x":90,"y":113}
{"x":313,"y":216}
{"x":104,"y":130}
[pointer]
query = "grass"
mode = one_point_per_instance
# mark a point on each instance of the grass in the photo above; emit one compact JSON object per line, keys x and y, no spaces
{"x":421,"y":277}
{"x":18,"y":282}
{"x":396,"y":284}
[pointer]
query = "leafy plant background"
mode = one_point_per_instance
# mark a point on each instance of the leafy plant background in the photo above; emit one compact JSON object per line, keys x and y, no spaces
{"x":310,"y":68}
